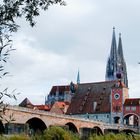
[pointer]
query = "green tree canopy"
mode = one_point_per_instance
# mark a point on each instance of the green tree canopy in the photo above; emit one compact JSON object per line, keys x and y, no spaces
{"x":10,"y":10}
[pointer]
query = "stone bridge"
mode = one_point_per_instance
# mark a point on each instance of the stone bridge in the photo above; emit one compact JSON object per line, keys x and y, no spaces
{"x":40,"y":120}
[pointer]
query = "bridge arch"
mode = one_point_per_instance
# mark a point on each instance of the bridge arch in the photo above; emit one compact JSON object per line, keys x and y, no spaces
{"x":36,"y":125}
{"x":72,"y":127}
{"x":1,"y":128}
{"x":131,"y":119}
{"x":117,"y":120}
{"x":98,"y":130}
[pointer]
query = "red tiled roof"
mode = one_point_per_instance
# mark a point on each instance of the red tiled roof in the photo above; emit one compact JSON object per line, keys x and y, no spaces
{"x":42,"y":107}
{"x":59,"y":107}
{"x":89,"y":93}
{"x":61,"y":89}
{"x":132,"y":102}
{"x":60,"y":104}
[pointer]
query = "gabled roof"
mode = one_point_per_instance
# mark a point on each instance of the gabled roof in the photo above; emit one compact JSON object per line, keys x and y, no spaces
{"x":132,"y":102}
{"x":25,"y":103}
{"x":89,"y":95}
{"x":59,"y":107}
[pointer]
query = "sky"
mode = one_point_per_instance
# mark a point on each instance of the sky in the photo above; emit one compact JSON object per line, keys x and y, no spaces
{"x":72,"y":37}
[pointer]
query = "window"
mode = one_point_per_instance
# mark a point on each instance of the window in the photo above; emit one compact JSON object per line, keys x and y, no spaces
{"x":116,"y":120}
{"x":127,"y":108}
{"x":133,"y":108}
{"x":117,"y":108}
{"x":94,"y":105}
{"x":96,"y":116}
{"x":107,"y":116}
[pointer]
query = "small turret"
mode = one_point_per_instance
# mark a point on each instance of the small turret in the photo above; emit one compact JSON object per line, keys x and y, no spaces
{"x":78,"y":77}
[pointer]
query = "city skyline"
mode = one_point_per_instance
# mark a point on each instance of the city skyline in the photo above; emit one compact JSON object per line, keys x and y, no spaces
{"x":72,"y":37}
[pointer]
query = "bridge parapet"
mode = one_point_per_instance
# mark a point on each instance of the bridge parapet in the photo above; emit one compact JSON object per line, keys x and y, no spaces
{"x":40,"y":112}
{"x":24,"y":115}
{"x":121,"y":128}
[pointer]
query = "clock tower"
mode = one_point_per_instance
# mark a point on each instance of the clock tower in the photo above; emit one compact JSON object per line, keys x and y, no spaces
{"x":119,"y":93}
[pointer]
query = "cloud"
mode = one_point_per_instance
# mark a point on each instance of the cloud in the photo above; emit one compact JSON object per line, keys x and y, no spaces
{"x":71,"y":37}
{"x":134,"y":82}
{"x":31,"y":68}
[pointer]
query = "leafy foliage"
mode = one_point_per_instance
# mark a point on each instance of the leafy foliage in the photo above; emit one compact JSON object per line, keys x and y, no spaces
{"x":10,"y":10}
{"x":58,"y":133}
{"x":19,"y":137}
{"x":5,"y":49}
{"x":112,"y":136}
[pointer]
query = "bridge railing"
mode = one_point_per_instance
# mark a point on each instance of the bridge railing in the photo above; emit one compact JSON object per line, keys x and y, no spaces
{"x":70,"y":117}
{"x":34,"y":111}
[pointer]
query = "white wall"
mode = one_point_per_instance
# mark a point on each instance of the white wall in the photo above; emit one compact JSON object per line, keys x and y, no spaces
{"x":96,"y":117}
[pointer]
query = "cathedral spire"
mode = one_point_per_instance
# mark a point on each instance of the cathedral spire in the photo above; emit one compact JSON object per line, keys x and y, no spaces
{"x":113,"y":52}
{"x":111,"y":68}
{"x":116,"y":63}
{"x":78,"y":77}
{"x":120,"y":50}
{"x":121,"y":62}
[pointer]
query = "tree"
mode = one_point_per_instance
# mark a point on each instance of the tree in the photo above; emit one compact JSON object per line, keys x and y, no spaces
{"x":10,"y":10}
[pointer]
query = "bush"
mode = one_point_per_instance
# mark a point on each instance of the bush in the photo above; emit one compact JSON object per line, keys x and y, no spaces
{"x":112,"y":136}
{"x":58,"y":133}
{"x":19,"y":137}
{"x":3,"y":138}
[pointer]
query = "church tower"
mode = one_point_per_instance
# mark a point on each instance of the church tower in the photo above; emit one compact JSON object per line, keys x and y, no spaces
{"x":121,"y":62}
{"x":119,"y":93}
{"x":78,"y":77}
{"x":116,"y":63}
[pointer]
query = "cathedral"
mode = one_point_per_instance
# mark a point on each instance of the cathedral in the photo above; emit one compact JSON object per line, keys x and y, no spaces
{"x":116,"y":62}
{"x":107,"y":101}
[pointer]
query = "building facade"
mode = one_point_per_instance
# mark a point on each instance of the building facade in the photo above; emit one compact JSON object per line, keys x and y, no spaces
{"x":100,"y":101}
{"x":62,"y":93}
{"x":132,"y":112}
{"x":106,"y":101}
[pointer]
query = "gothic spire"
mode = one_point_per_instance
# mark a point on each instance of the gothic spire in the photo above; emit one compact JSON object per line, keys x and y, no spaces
{"x":116,"y":62}
{"x":121,"y":62}
{"x":120,"y":50}
{"x":113,"y":52}
{"x":111,"y":68}
{"x":78,"y":77}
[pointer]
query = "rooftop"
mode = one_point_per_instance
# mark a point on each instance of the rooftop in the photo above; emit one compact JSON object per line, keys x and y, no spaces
{"x":132,"y":102}
{"x":92,"y":98}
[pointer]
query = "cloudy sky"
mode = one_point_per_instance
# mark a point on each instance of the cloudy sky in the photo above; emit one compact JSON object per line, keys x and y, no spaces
{"x":76,"y":36}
